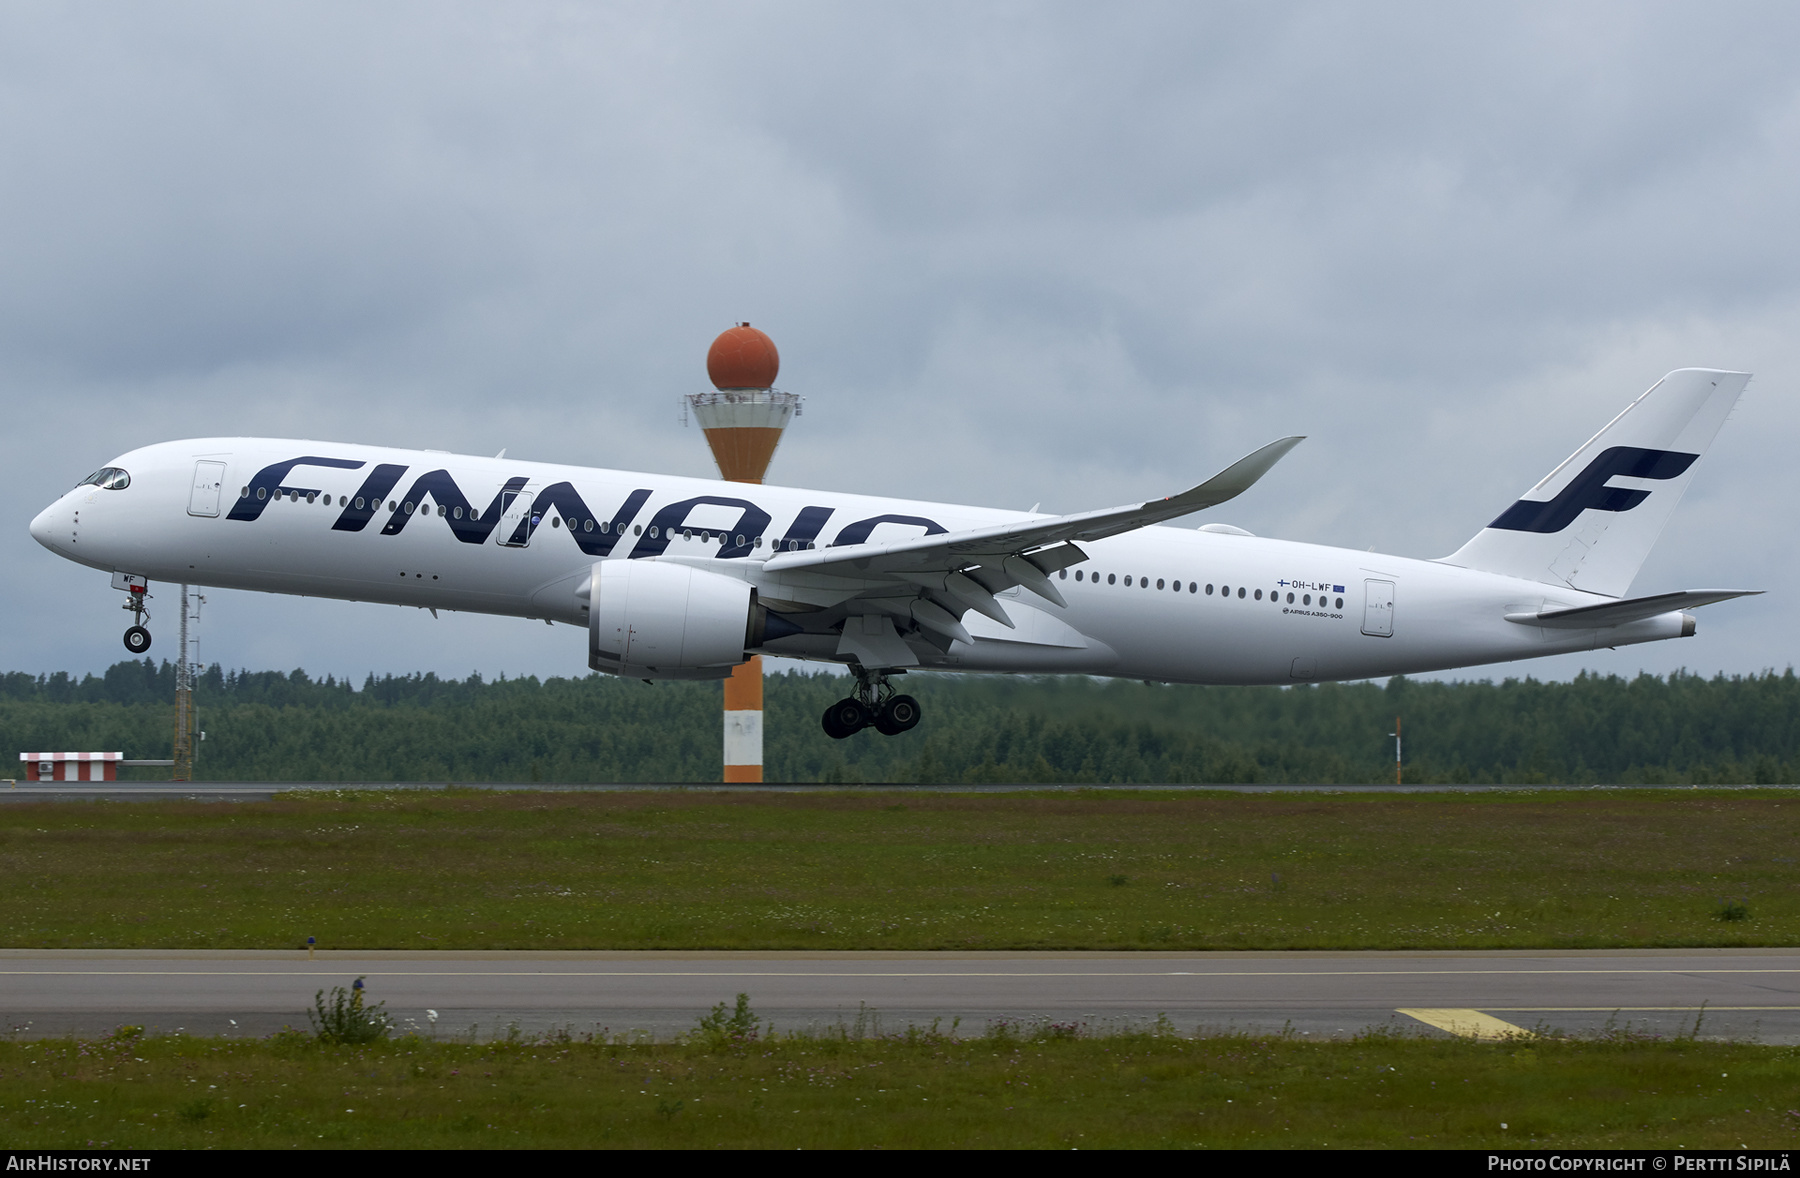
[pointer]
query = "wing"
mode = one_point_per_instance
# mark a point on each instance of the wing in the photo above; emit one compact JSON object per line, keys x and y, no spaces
{"x":933,"y":580}
{"x":950,"y":550}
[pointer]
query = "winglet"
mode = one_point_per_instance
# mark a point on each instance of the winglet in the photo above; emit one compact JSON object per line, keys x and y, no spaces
{"x":1235,"y":479}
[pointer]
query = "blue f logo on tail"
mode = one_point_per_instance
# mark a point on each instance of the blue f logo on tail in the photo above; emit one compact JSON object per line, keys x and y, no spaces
{"x":1589,"y":489}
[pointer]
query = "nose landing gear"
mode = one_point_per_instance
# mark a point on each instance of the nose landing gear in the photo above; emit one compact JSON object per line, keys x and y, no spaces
{"x":137,"y":591}
{"x":872,"y":703}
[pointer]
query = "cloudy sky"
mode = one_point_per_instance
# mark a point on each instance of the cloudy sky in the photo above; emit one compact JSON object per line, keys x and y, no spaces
{"x":1078,"y":254}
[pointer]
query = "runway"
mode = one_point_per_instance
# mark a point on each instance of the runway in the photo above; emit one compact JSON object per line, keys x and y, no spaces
{"x":1749,"y":994}
{"x":258,"y":791}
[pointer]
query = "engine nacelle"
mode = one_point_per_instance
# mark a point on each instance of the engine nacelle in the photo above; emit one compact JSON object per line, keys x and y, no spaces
{"x":651,"y":620}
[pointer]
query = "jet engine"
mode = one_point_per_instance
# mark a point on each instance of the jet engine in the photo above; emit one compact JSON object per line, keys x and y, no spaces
{"x":653,"y":620}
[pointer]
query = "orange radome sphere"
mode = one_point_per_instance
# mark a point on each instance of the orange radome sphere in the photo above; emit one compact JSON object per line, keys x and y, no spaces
{"x":743,"y":358}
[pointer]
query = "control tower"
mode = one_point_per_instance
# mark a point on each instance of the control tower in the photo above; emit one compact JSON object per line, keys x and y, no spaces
{"x":743,"y":418}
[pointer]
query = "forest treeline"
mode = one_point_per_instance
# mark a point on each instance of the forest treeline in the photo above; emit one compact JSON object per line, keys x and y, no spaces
{"x":276,"y":726}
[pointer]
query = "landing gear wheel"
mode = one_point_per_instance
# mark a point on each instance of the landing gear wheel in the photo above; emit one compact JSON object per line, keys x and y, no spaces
{"x":844,"y":718}
{"x":898,"y":715}
{"x":137,"y":640}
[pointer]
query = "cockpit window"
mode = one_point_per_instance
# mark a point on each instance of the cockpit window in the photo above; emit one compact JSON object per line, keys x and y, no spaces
{"x":107,"y":478}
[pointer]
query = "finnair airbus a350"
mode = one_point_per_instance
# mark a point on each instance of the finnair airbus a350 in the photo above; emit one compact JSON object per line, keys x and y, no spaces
{"x":680,"y":578}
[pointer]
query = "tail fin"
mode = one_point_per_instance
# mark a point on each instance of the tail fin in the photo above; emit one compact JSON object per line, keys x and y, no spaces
{"x":1577,"y":529}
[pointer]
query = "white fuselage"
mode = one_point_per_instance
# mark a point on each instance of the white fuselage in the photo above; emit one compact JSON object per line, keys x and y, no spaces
{"x":1323,"y":613}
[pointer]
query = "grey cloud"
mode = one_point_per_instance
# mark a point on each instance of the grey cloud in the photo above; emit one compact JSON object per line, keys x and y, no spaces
{"x":1010,"y":253}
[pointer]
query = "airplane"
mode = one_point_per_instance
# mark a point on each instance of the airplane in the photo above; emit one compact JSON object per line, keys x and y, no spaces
{"x":684,"y":578}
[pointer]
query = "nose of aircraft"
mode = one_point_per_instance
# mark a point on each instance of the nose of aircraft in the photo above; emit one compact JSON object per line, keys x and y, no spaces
{"x":44,"y":524}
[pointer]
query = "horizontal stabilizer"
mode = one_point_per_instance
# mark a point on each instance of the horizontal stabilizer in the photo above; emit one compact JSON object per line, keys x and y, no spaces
{"x":1617,"y":613}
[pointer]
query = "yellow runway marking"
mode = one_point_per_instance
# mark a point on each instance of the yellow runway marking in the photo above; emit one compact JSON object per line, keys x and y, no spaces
{"x":1470,"y":1024}
{"x":1629,"y":1009}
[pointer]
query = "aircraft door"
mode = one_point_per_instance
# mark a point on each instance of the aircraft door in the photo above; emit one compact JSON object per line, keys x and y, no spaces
{"x":1378,"y":609}
{"x":517,"y":521}
{"x":209,"y":481}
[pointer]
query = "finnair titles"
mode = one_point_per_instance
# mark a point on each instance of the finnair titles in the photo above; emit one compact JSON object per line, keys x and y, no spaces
{"x":673,"y":578}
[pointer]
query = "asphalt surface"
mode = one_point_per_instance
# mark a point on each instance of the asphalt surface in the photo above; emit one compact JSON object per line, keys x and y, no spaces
{"x":252,"y":791}
{"x":1737,"y":994}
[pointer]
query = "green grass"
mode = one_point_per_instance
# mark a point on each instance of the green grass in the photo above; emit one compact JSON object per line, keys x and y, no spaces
{"x":886,"y":870}
{"x":1043,"y":1088}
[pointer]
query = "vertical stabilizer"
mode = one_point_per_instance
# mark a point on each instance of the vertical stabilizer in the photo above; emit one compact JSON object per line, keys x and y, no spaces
{"x":1591,"y":522}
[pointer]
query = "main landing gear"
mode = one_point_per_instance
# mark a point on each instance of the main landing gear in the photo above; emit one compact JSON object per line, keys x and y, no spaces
{"x":873,"y":702}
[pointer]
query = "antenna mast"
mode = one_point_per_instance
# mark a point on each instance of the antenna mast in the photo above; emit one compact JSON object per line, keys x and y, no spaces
{"x":185,"y":725}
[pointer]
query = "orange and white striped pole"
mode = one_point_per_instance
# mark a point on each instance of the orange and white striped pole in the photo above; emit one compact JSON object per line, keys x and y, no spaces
{"x":744,"y":722}
{"x":743,"y":419}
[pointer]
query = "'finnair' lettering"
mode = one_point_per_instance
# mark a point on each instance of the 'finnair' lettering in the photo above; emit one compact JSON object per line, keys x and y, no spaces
{"x":458,"y":513}
{"x":560,"y":501}
{"x":367,"y":501}
{"x":858,"y":532}
{"x":740,"y":540}
{"x":271,"y":480}
{"x":805,"y":528}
